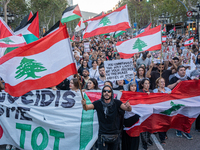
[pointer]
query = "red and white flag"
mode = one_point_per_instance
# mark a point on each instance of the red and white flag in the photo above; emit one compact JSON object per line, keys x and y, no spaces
{"x":114,"y":21}
{"x":146,"y":41}
{"x":5,"y":30}
{"x":189,"y":41}
{"x":80,"y":25}
{"x":158,"y":112}
{"x":164,"y":38}
{"x":13,"y":41}
{"x":40,"y":64}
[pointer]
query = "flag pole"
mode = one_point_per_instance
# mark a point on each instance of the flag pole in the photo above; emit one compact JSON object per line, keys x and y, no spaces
{"x":75,"y":65}
{"x":161,"y":52}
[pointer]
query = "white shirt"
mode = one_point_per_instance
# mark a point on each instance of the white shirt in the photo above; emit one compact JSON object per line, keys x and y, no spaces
{"x":94,"y":73}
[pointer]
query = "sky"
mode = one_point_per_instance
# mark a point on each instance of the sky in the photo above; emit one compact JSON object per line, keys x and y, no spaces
{"x":95,"y":6}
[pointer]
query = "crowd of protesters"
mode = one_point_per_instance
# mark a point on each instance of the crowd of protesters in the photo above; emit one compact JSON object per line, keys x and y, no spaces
{"x":149,"y":77}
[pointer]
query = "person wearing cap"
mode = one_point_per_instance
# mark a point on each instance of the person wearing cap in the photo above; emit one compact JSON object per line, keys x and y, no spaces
{"x":109,"y":118}
{"x":143,"y":60}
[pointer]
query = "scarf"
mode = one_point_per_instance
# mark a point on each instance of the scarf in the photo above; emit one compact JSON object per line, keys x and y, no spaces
{"x":181,"y":78}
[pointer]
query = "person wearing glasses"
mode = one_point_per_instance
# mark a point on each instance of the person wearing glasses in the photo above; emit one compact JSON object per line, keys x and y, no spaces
{"x":109,"y":118}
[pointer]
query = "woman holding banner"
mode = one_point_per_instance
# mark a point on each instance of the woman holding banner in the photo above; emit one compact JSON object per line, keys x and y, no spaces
{"x":145,"y":136}
{"x":128,"y":142}
{"x":160,"y":84}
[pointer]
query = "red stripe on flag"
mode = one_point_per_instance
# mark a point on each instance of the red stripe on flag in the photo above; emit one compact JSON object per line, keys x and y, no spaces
{"x":162,"y":123}
{"x":126,"y":56}
{"x":38,"y":46}
{"x":77,"y":11}
{"x":34,"y":26}
{"x":44,"y":82}
{"x":149,"y":32}
{"x":12,"y":45}
{"x":185,"y":89}
{"x":103,"y":15}
{"x":107,"y":29}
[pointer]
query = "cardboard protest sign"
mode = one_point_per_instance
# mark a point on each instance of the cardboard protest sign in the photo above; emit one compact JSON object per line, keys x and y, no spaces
{"x":87,"y":47}
{"x":119,"y":69}
{"x":156,"y":56}
{"x":186,"y":57}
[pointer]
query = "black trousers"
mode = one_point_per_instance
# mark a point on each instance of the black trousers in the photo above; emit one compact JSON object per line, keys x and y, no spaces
{"x":197,"y":123}
{"x":130,"y":143}
{"x":108,"y":146}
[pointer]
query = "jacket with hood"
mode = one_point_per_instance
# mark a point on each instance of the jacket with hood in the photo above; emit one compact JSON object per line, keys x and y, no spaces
{"x":108,"y":114}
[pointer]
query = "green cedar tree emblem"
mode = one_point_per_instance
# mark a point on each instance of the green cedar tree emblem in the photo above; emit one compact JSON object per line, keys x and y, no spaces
{"x":139,"y":44}
{"x":29,"y":67}
{"x":6,"y":40}
{"x":105,"y":21}
{"x":189,"y":41}
{"x":174,"y":107}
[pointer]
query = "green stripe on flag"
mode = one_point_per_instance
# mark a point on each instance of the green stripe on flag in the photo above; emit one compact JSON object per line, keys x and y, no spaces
{"x":86,"y":133}
{"x":29,"y":38}
{"x":70,"y":18}
{"x":9,"y":49}
{"x":119,"y":33}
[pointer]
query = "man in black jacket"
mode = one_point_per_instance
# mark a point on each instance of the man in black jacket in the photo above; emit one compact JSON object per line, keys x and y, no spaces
{"x":109,"y":118}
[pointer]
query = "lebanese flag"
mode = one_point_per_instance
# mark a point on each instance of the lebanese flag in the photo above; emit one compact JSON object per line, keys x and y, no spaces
{"x":114,"y":21}
{"x":158,"y":112}
{"x":53,"y":28}
{"x":71,"y":13}
{"x":5,"y":30}
{"x":146,"y":28}
{"x":189,"y":41}
{"x":40,"y":64}
{"x":13,"y":41}
{"x":80,"y":25}
{"x":164,"y":38}
{"x":146,"y":41}
{"x":30,"y":30}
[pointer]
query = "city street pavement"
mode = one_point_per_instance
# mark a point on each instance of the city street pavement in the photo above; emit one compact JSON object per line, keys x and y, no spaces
{"x":177,"y":143}
{"x":172,"y":143}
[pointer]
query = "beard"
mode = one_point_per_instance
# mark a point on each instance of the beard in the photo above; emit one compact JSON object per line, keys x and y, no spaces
{"x":102,"y":75}
{"x":106,"y":98}
{"x":85,"y":76}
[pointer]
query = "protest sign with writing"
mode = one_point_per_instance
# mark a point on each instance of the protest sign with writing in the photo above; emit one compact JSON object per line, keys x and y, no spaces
{"x":86,"y":46}
{"x":119,"y":69}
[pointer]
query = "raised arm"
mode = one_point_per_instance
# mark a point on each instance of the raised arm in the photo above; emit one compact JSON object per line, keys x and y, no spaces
{"x":148,"y":74}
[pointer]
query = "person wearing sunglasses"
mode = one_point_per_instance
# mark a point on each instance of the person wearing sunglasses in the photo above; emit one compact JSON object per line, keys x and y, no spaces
{"x":109,"y":118}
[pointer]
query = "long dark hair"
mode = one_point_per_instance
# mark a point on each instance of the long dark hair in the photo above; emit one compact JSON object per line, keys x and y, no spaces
{"x":94,"y":81}
{"x":142,"y":83}
{"x":82,"y":64}
{"x":75,"y":81}
{"x":138,"y":71}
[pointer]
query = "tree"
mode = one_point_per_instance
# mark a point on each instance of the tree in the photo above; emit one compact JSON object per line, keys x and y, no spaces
{"x":105,"y":21}
{"x":139,"y":44}
{"x":29,"y":67}
{"x":50,"y":11}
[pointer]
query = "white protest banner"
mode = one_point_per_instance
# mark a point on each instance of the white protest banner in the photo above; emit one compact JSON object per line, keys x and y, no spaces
{"x":47,"y":120}
{"x":86,"y":47}
{"x":119,"y":69}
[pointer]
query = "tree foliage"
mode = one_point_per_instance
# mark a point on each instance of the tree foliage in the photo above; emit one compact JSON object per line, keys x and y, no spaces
{"x":144,"y":12}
